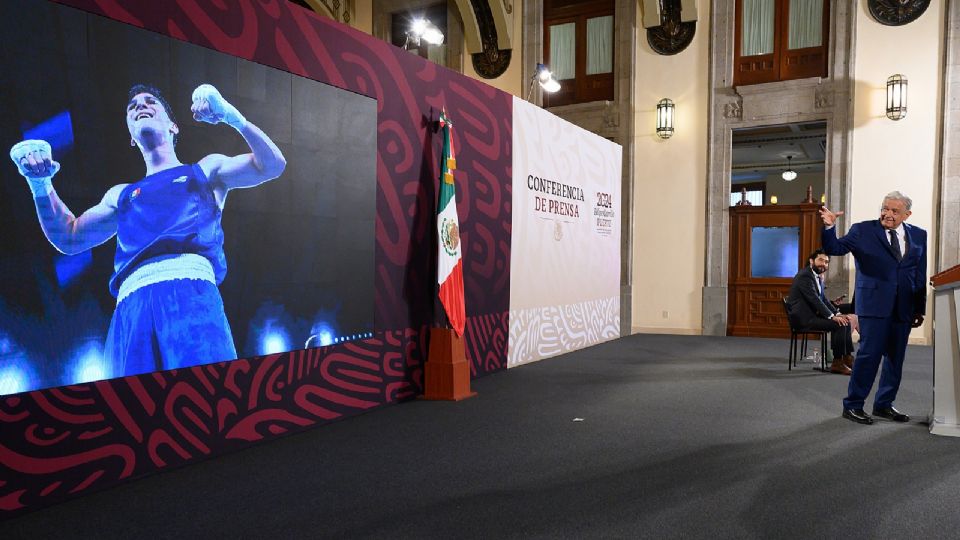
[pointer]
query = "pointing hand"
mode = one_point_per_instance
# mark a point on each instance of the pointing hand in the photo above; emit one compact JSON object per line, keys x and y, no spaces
{"x":828,"y":217}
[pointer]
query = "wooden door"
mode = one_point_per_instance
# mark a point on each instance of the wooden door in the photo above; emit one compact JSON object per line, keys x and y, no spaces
{"x":768,"y":245}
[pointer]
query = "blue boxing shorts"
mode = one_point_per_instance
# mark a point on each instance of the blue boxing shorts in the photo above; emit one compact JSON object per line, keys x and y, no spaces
{"x":167,"y":325}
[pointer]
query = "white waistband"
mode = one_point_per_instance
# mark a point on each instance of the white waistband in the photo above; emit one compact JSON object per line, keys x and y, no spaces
{"x":185,"y":266}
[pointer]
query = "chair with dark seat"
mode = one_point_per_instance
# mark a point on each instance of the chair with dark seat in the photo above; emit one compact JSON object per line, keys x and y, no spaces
{"x":798,"y":341}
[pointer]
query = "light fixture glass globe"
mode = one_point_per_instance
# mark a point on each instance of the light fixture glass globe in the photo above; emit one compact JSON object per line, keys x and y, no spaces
{"x":789,"y":174}
{"x":896,"y":97}
{"x":665,"y":113}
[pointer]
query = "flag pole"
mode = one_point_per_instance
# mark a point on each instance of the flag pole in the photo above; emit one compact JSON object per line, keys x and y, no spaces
{"x":446,"y":373}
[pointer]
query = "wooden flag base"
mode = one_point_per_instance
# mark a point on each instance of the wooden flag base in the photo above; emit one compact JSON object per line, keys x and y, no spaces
{"x":446,"y":374}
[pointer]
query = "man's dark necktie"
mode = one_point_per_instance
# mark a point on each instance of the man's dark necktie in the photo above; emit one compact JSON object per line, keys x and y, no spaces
{"x":823,"y":295}
{"x":895,"y":244}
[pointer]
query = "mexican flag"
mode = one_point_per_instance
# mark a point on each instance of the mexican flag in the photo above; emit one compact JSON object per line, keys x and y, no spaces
{"x":449,"y":262}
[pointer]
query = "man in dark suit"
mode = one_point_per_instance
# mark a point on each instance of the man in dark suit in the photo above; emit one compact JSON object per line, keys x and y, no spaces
{"x":891,"y":293}
{"x":808,"y":308}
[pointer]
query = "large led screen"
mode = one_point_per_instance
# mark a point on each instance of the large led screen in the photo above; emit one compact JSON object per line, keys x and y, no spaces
{"x":166,"y":205}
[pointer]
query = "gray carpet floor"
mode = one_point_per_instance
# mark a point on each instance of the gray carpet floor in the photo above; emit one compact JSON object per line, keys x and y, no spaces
{"x":677,"y":437}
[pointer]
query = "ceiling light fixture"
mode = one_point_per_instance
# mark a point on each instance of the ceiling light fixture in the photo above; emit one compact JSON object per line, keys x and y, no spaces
{"x":789,"y":175}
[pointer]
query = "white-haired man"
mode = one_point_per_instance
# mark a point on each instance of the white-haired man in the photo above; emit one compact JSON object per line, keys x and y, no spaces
{"x":891,"y":298}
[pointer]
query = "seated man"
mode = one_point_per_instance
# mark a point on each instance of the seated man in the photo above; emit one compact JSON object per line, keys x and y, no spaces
{"x":809,"y":308}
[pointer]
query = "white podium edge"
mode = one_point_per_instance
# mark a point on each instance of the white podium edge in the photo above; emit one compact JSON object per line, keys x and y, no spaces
{"x":942,"y":428}
{"x":938,"y":427}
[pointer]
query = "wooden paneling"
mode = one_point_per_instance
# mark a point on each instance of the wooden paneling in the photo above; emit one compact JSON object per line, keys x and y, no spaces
{"x":783,"y":64}
{"x":760,"y":68}
{"x":582,"y":88}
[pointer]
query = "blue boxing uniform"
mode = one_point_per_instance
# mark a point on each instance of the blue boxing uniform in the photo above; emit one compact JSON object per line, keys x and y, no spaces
{"x":168,"y":264}
{"x":169,"y":259}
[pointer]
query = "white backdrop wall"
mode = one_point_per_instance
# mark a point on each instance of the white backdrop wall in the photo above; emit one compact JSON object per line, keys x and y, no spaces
{"x":565,"y":247}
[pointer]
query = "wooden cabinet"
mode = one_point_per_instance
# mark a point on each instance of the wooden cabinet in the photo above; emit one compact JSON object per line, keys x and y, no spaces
{"x":768,"y":245}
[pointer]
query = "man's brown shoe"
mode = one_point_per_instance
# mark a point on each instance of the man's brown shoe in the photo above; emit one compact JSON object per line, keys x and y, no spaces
{"x":839,"y":367}
{"x":848,"y":360}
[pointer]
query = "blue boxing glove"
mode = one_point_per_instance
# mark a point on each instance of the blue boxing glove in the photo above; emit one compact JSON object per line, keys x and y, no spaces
{"x":210,"y":107}
{"x":34,"y":160}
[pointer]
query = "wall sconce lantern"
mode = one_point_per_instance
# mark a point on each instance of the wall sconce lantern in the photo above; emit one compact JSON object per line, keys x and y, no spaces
{"x":773,"y":199}
{"x":789,"y":175}
{"x":896,"y":97}
{"x":665,"y":110}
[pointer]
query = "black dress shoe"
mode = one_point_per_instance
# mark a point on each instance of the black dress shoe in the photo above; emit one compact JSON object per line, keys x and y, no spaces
{"x":858,"y":416}
{"x":891,"y":414}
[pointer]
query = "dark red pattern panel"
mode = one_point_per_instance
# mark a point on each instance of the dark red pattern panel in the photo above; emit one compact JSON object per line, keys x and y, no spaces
{"x":60,"y":442}
{"x":486,"y":339}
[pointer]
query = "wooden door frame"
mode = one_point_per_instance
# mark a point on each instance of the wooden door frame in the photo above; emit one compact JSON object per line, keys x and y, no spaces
{"x":756,"y":303}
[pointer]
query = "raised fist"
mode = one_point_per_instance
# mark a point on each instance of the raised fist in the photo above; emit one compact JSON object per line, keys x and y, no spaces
{"x":210,"y":107}
{"x":34,"y":159}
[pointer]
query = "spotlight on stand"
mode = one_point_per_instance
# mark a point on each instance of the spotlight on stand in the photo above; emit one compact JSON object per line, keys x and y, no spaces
{"x":546,"y":80}
{"x":425,"y":30}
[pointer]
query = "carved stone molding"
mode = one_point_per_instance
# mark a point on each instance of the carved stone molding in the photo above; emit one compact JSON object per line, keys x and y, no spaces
{"x":823,"y":99}
{"x":777,"y":102}
{"x":733,"y":109}
{"x":492,"y":61}
{"x":897,"y":12}
{"x":601,"y":117}
{"x":611,"y":115}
